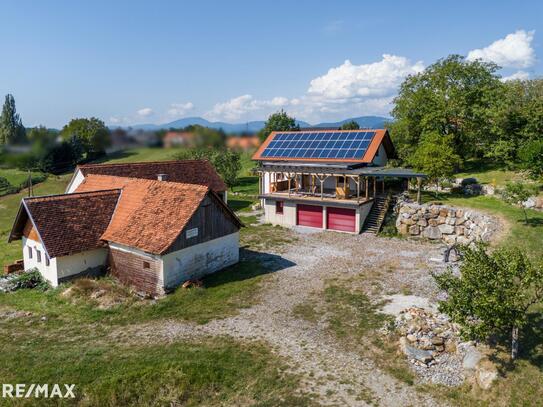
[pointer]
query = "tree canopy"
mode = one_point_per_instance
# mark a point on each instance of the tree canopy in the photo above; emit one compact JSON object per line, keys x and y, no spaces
{"x":493,"y":293}
{"x":92,"y":134}
{"x":454,"y":98}
{"x":350,"y":125}
{"x":12,"y":130}
{"x":279,"y":121}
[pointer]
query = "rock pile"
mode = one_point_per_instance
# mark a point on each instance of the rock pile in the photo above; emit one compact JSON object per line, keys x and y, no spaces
{"x":441,"y":222}
{"x":436,"y":353}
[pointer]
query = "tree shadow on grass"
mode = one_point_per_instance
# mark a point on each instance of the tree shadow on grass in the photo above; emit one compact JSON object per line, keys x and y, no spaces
{"x":532,"y":222}
{"x":247,"y":185}
{"x":239,"y":204}
{"x":252,"y":264}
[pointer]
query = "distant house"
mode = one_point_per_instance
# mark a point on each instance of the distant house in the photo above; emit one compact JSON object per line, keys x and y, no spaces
{"x":327,"y":179}
{"x":178,"y":139}
{"x":244,"y":143}
{"x":199,"y":172}
{"x":153,"y":235}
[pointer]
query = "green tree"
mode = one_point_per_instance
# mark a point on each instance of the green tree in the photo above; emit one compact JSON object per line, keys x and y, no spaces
{"x":435,"y":156}
{"x":493,"y":293}
{"x":452,"y":97}
{"x":11,"y":127}
{"x":531,"y":157}
{"x":92,"y":133}
{"x":279,"y":121}
{"x":518,"y":192}
{"x":351,"y":125}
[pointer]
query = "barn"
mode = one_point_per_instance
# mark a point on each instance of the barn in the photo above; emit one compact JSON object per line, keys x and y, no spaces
{"x":153,"y":235}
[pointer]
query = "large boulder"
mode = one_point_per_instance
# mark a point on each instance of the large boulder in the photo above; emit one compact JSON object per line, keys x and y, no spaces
{"x":486,"y":374}
{"x":432,"y":232}
{"x":471,"y":358}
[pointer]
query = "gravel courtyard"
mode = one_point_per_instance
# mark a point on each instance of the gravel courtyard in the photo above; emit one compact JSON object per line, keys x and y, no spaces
{"x":334,"y":373}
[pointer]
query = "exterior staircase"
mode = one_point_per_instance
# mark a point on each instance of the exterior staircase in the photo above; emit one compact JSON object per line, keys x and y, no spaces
{"x":377,"y":214}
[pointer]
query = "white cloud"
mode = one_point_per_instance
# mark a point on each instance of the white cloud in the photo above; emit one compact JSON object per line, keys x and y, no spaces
{"x":180,"y":109}
{"x":377,"y":79}
{"x":145,"y":112}
{"x":515,"y":50}
{"x":521,"y":75}
{"x":244,"y":107}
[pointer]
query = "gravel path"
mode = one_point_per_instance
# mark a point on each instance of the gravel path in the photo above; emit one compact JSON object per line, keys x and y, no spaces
{"x":335,"y":374}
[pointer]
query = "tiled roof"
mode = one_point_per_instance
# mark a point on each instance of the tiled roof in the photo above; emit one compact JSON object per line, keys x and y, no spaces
{"x":150,"y":214}
{"x":199,"y":172}
{"x":72,"y":223}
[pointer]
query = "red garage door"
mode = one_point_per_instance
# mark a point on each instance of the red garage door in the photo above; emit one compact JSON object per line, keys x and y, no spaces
{"x":341,"y":219}
{"x":309,"y":215}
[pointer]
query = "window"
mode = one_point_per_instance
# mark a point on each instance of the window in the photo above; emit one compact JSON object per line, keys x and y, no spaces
{"x":29,"y":252}
{"x":38,"y":256}
{"x":279,"y":207}
{"x":146,"y":265}
{"x":47,"y":262}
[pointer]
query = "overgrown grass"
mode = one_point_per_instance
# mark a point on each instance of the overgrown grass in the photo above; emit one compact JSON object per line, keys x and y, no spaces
{"x":223,"y":294}
{"x":262,"y":237}
{"x":108,"y":373}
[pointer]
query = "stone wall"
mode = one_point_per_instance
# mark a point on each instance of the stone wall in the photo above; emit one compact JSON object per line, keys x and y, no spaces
{"x":441,"y":222}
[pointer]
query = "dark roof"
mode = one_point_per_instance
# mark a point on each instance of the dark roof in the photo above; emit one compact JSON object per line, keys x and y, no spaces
{"x":316,"y":168}
{"x":68,"y":223}
{"x":151,"y":214}
{"x":364,"y":153}
{"x":199,"y":172}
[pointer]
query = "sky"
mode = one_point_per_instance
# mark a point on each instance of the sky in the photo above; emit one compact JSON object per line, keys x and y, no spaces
{"x":133,"y":62}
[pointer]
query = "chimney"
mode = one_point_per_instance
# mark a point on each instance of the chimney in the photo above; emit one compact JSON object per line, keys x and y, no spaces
{"x":162,"y":177}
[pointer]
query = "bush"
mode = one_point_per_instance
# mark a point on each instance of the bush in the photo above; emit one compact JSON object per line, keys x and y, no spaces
{"x":30,"y":279}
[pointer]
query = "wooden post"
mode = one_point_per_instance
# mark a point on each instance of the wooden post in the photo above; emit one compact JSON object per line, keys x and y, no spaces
{"x":358,"y":190}
{"x":419,"y":184}
{"x":367,"y":188}
{"x":374,"y":187}
{"x":289,"y":185}
{"x":383,"y":185}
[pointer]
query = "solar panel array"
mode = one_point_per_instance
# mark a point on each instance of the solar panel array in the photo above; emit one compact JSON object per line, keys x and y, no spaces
{"x":334,"y":145}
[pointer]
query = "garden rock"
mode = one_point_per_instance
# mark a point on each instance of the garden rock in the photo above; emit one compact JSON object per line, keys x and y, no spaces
{"x":486,"y":374}
{"x":471,"y":358}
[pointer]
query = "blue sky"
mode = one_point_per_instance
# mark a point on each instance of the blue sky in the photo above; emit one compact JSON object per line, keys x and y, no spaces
{"x":133,"y":62}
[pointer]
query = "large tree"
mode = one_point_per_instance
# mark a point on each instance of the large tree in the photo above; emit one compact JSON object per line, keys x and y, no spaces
{"x":279,"y":121}
{"x":493,"y":294}
{"x":452,"y":97}
{"x":91,"y":133}
{"x":12,"y":130}
{"x":350,"y":125}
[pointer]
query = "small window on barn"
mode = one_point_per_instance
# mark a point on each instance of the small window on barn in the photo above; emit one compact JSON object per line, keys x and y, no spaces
{"x":279,"y":207}
{"x":146,"y":265}
{"x":47,"y":262}
{"x":29,"y":252}
{"x":38,"y":256}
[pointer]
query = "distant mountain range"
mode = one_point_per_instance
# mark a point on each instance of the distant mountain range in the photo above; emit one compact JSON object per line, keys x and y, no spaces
{"x":370,"y":122}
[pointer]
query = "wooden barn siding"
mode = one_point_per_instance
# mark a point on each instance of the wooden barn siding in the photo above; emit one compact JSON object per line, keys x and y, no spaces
{"x":128,"y":268}
{"x":212,"y":222}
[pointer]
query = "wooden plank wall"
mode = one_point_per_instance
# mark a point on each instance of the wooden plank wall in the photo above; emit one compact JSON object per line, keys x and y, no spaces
{"x":212,"y":222}
{"x":128,"y":268}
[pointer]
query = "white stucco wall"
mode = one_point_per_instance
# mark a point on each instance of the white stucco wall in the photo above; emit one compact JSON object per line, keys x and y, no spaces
{"x":76,"y":180}
{"x":361,"y":214}
{"x":287,"y":219}
{"x":79,"y":262}
{"x":48,"y":272}
{"x":198,"y":260}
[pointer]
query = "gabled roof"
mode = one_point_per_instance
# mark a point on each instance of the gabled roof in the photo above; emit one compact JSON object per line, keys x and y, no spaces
{"x":67,"y":223}
{"x":151,"y":214}
{"x":378,"y":137}
{"x":199,"y":172}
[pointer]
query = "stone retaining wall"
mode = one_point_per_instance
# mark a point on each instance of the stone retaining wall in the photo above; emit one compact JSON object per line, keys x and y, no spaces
{"x":441,"y":222}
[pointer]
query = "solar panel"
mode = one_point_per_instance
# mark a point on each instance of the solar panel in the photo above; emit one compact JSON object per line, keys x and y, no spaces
{"x":334,"y":145}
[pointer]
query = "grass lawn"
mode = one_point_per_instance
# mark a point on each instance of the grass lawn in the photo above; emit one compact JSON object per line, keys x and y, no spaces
{"x":139,"y":154}
{"x":487,"y":172}
{"x":17,"y":177}
{"x":528,"y":237}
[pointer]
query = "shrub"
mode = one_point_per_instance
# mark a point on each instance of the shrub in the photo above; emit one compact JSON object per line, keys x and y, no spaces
{"x":30,"y":279}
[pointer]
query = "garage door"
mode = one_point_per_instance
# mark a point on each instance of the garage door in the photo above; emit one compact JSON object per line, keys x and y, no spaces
{"x":341,"y":219}
{"x":309,"y":215}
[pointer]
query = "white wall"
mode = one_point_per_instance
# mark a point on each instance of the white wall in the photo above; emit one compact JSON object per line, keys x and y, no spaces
{"x":48,"y":272}
{"x":288,"y":218}
{"x":76,"y":180}
{"x":79,"y":262}
{"x":362,"y":213}
{"x":198,"y":260}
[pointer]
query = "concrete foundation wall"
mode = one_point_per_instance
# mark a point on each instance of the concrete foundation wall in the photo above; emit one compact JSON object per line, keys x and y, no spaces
{"x":196,"y":261}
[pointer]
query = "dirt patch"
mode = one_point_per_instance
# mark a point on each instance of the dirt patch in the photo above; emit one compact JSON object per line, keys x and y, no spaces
{"x":103,"y":293}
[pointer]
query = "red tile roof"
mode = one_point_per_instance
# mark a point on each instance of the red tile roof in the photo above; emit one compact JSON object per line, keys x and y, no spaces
{"x":68,"y":223}
{"x":381,"y":137}
{"x":150,"y":214}
{"x":199,"y":172}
